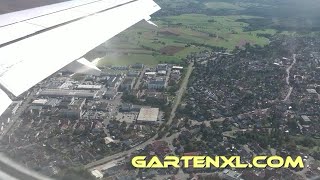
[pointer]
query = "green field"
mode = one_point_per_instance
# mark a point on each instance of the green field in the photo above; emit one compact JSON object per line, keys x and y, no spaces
{"x":137,"y":58}
{"x":147,"y":44}
{"x":217,"y":5}
{"x":223,"y":5}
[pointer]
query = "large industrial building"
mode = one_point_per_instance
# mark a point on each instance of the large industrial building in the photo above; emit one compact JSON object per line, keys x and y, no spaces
{"x":148,"y":115}
{"x":127,"y":84}
{"x":157,"y":84}
{"x":69,"y":93}
{"x":46,"y":102}
{"x":88,"y":87}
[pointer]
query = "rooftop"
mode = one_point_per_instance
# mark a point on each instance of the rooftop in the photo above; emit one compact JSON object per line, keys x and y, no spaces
{"x":128,"y":80}
{"x":160,"y":82}
{"x":177,"y":67}
{"x":40,"y":101}
{"x":148,"y":114}
{"x":64,"y":92}
{"x":150,"y":73}
{"x":86,"y":86}
{"x":306,"y":118}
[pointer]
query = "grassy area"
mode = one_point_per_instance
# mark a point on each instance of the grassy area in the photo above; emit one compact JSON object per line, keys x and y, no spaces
{"x":315,"y":147}
{"x":137,"y":58}
{"x":222,"y":31}
{"x":223,"y":5}
{"x":150,"y":45}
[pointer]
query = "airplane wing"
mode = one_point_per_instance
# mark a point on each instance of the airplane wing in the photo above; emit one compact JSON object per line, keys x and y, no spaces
{"x":36,"y":43}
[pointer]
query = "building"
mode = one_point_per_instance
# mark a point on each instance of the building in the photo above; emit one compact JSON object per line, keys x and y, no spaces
{"x":49,"y":103}
{"x":108,"y":140}
{"x":312,"y":91}
{"x":162,"y":67}
{"x":127,"y":84}
{"x":69,"y":93}
{"x":177,"y":67}
{"x":74,"y":109}
{"x":148,"y":115}
{"x":176,"y":72}
{"x":113,"y":81}
{"x":133,"y":74}
{"x":36,"y":110}
{"x":162,"y":73}
{"x":77,"y":104}
{"x":137,"y":66}
{"x":306,"y":119}
{"x":40,"y":102}
{"x":158,"y":97}
{"x":231,"y":175}
{"x":53,"y":102}
{"x":97,"y":174}
{"x":88,"y":87}
{"x":110,"y":95}
{"x":67,"y":85}
{"x":65,"y":101}
{"x":150,"y":73}
{"x":70,"y":113}
{"x":126,"y":107}
{"x":175,"y":75}
{"x":157,"y":84}
{"x":121,"y":68}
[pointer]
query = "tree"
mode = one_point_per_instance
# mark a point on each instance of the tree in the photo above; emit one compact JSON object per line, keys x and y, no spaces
{"x":293,"y":125}
{"x":123,"y":125}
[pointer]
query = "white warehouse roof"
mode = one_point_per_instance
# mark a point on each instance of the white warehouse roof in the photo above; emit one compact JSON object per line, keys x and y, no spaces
{"x":177,"y":67}
{"x":150,"y":73}
{"x":148,"y":114}
{"x":85,"y":86}
{"x":40,"y":101}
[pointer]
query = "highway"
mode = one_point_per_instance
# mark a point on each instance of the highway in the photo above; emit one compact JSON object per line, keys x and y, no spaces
{"x":178,"y":99}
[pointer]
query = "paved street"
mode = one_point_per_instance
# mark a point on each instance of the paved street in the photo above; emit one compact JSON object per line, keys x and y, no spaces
{"x":180,"y":93}
{"x":136,"y":86}
{"x":288,"y":78}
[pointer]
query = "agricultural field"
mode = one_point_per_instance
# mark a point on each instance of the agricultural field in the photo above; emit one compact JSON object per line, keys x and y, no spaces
{"x":235,"y":5}
{"x":191,"y":26}
{"x":175,"y":37}
{"x":223,"y":5}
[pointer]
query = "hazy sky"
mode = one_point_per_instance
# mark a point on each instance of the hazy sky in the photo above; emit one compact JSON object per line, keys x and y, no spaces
{"x":16,"y":5}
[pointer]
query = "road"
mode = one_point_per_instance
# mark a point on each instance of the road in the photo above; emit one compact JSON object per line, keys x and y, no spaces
{"x":15,"y":118}
{"x":178,"y":99}
{"x":288,"y":78}
{"x":136,"y":86}
{"x":180,"y":93}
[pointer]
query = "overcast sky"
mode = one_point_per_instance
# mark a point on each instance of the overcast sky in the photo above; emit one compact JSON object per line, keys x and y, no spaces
{"x":7,"y":6}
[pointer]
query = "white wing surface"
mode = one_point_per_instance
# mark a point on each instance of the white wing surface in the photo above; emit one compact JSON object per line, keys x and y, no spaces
{"x":5,"y":101}
{"x":36,"y":43}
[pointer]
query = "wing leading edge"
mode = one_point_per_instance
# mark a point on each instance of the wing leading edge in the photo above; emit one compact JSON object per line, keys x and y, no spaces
{"x":70,"y":32}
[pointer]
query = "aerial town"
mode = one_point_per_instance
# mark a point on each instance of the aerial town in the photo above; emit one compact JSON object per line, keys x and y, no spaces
{"x":215,"y":103}
{"x":205,"y":78}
